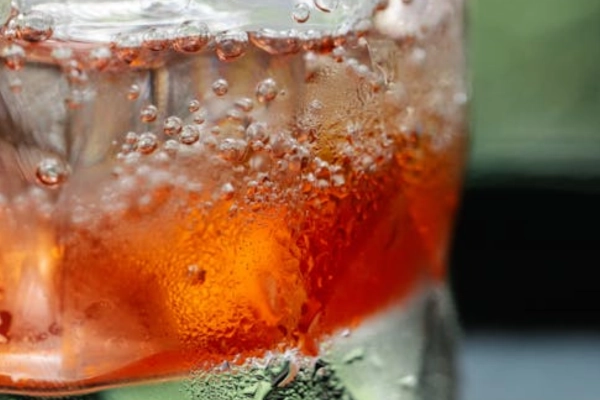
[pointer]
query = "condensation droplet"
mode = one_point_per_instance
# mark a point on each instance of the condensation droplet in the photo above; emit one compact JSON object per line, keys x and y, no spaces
{"x":220,"y":87}
{"x":266,"y":90}
{"x":147,"y":143}
{"x":14,"y":56}
{"x":133,"y":93}
{"x":196,"y":274}
{"x":149,"y":113}
{"x":172,"y":125}
{"x":193,"y":106}
{"x":231,"y":45}
{"x":327,"y":5}
{"x":189,"y":135}
{"x":34,"y":26}
{"x":51,"y":172}
{"x":301,"y":13}
{"x":191,"y":36}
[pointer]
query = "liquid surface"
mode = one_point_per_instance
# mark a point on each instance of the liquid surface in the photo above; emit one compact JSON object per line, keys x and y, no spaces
{"x":169,"y":203}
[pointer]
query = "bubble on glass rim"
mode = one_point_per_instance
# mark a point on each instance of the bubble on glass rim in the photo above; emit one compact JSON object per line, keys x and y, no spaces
{"x":327,"y":5}
{"x":191,"y":36}
{"x":231,"y":45}
{"x":34,"y":26}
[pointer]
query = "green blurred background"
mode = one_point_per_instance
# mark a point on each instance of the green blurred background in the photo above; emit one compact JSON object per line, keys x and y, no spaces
{"x":535,"y":68}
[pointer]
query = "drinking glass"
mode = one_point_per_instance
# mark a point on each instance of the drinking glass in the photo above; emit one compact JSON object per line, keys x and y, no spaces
{"x":227,"y":199}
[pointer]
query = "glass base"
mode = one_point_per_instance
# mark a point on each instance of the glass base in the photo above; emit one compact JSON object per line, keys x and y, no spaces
{"x":406,"y":352}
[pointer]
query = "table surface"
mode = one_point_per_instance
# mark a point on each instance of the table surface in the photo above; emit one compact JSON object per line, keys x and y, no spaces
{"x":540,"y":366}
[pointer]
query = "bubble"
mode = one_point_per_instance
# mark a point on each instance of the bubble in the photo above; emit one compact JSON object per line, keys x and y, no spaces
{"x":231,"y":45}
{"x":227,"y":191}
{"x":131,"y":138}
{"x":172,"y":125}
{"x":191,"y":36}
{"x":338,"y":53}
{"x":257,"y":131}
{"x":236,"y":115}
{"x":156,"y":39}
{"x":232,"y":149}
{"x":100,"y":57}
{"x":327,"y":5}
{"x":193,"y":105}
{"x":52,"y":172}
{"x":301,"y":13}
{"x":200,"y":117}
{"x":171,"y":147}
{"x":220,"y":87}
{"x":149,"y":113}
{"x":275,"y":42}
{"x":189,"y":135}
{"x":127,"y":47}
{"x":34,"y":26}
{"x":147,"y":143}
{"x":133,"y":93}
{"x":14,"y":56}
{"x":266,"y":90}
{"x":244,"y":104}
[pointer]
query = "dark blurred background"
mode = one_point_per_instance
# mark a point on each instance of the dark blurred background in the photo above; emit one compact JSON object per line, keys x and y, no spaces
{"x":527,"y":244}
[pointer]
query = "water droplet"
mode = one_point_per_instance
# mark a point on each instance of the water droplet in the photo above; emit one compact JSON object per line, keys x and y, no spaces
{"x":220,"y":87}
{"x":147,"y":143}
{"x":100,"y":57}
{"x":14,"y":56}
{"x":189,"y":135}
{"x":266,"y":91}
{"x":196,"y":274}
{"x":327,"y":5}
{"x":301,"y":13}
{"x":34,"y":26}
{"x":227,"y":191}
{"x":172,"y":125}
{"x":149,"y":113}
{"x":156,"y":39}
{"x":52,"y":172}
{"x":231,"y":45}
{"x":133,"y":93}
{"x":191,"y":36}
{"x":245,"y":104}
{"x":193,"y":106}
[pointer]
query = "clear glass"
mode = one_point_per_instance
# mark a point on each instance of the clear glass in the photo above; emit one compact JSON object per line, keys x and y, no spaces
{"x":227,"y":199}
